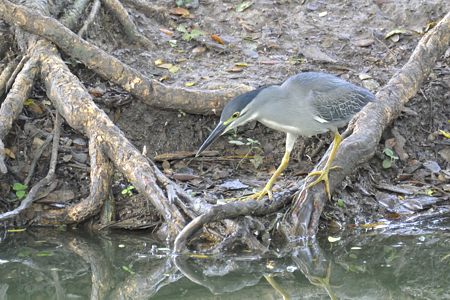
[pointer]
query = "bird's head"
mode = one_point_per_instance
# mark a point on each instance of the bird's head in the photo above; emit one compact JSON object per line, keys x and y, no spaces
{"x":236,"y":113}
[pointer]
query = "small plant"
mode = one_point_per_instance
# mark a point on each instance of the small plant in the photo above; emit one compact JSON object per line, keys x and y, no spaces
{"x":255,"y":147}
{"x":128,"y":191}
{"x":20,"y":190}
{"x":340,"y":203}
{"x":390,"y":159}
{"x":189,"y":34}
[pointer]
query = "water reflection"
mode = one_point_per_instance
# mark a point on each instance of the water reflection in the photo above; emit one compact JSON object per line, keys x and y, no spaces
{"x":394,"y":264}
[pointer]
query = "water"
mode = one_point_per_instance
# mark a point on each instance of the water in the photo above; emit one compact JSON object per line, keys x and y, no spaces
{"x":406,"y":262}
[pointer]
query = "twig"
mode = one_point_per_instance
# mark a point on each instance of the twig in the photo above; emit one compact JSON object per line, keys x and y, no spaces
{"x":94,"y":11}
{"x":6,"y":74}
{"x":37,"y":156}
{"x":18,"y":68}
{"x":43,"y":182}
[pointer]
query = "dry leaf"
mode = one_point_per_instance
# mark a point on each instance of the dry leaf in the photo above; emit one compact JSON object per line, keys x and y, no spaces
{"x":235,"y":70}
{"x":241,"y":64}
{"x":174,"y":69}
{"x":243,"y":6}
{"x":217,"y":39}
{"x":9,"y":153}
{"x":179,"y":11}
{"x":166,"y":31}
{"x":189,"y":83}
{"x":332,"y":239}
{"x":165,"y":66}
{"x":158,"y":62}
{"x":396,"y":32}
{"x":198,"y":50}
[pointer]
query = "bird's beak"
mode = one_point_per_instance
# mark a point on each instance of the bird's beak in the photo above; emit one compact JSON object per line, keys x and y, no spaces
{"x":220,"y":128}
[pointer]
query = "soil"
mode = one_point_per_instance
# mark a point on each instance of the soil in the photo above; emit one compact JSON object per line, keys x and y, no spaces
{"x":264,"y":44}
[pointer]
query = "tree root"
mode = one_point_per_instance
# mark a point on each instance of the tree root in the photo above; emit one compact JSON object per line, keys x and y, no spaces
{"x":231,"y":210}
{"x":6,"y":74}
{"x":367,"y":126}
{"x":128,"y":26}
{"x":151,"y":92}
{"x":43,"y":182}
{"x":13,"y":104}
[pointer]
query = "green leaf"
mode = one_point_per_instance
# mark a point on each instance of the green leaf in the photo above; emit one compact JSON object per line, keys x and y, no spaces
{"x":340,"y":203}
{"x":21,"y":194}
{"x":243,"y":6}
{"x":128,"y":269}
{"x":389,"y":152}
{"x":196,"y":33}
{"x":44,"y":253}
{"x":387,"y":163}
{"x":19,"y":187}
{"x":181,"y":28}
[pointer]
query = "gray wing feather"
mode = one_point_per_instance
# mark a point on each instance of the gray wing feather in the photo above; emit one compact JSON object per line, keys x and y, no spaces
{"x":341,"y":103}
{"x":332,"y":98}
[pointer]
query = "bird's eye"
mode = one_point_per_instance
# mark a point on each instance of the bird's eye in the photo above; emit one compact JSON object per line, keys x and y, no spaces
{"x":235,"y":115}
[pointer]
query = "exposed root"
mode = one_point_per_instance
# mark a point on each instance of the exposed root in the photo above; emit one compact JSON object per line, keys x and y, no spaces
{"x":127,"y":24}
{"x":151,"y":92}
{"x":13,"y":104}
{"x":231,"y":210}
{"x":6,"y":74}
{"x":43,"y":182}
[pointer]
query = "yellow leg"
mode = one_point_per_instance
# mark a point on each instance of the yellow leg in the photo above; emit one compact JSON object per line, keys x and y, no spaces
{"x":323,"y":174}
{"x":267,"y":190}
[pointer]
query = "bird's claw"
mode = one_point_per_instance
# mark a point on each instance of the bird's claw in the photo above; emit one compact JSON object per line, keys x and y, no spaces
{"x":323,"y":176}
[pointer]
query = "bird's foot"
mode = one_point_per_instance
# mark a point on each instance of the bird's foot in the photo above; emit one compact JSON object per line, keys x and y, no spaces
{"x":323,"y":176}
{"x":256,"y":196}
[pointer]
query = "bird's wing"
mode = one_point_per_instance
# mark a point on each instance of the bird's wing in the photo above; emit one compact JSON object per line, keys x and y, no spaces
{"x":339,"y":103}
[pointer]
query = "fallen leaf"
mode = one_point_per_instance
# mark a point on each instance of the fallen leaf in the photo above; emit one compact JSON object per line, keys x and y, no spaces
{"x":396,"y":31}
{"x":166,"y":31}
{"x":198,"y":50}
{"x":217,"y":39}
{"x":235,"y":70}
{"x":243,"y":6}
{"x":10,"y":153}
{"x":165,"y":77}
{"x":315,"y":53}
{"x":16,"y":230}
{"x":158,"y":62}
{"x":363,"y":42}
{"x":179,"y":11}
{"x":364,"y":76}
{"x":165,"y":66}
{"x":333,"y":239}
{"x":446,"y":134}
{"x":174,"y":69}
{"x":429,"y":26}
{"x":323,"y":14}
{"x":241,"y":64}
{"x":189,"y":83}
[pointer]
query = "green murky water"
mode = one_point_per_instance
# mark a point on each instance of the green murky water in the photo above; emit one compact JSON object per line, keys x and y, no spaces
{"x":406,"y":262}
